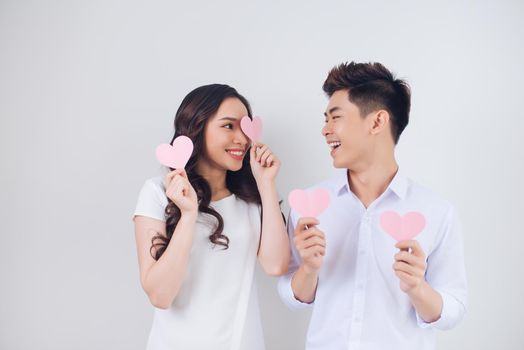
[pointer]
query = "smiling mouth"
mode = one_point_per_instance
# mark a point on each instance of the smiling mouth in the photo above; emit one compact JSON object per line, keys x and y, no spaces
{"x":236,"y":153}
{"x":334,"y":145}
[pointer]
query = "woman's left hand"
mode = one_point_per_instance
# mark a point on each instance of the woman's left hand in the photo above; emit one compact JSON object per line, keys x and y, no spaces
{"x":264,"y":163}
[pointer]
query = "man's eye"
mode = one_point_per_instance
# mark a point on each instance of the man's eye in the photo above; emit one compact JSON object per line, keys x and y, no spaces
{"x":333,"y":117}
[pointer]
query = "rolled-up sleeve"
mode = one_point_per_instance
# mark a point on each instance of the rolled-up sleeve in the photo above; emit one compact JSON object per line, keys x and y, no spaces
{"x":284,"y":283}
{"x":446,"y":273}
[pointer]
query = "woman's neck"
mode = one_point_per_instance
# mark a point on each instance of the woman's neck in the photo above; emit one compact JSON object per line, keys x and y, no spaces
{"x":216,"y":178}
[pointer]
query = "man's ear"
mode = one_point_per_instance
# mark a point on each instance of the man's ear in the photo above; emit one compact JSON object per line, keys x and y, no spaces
{"x":380,"y":121}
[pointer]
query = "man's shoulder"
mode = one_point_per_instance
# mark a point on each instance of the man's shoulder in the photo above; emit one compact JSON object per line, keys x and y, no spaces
{"x":332,"y":184}
{"x":425,"y":194}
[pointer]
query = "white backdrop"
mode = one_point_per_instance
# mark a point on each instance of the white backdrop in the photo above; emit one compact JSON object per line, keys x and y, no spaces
{"x":88,"y":89}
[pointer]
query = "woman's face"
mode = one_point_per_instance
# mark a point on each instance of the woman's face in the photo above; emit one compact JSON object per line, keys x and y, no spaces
{"x":225,"y":145}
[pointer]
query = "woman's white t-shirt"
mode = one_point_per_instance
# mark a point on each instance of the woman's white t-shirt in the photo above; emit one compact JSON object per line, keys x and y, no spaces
{"x":217,"y":304}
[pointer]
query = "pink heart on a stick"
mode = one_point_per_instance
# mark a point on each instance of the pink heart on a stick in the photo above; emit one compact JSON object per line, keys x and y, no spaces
{"x":175,"y":156}
{"x":309,"y":204}
{"x":402,"y":228}
{"x":252,"y":128}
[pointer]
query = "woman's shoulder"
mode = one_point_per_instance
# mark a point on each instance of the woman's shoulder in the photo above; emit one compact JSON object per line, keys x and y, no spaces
{"x":249,"y":204}
{"x":253,"y":209}
{"x":152,"y":199}
{"x":156,"y":182}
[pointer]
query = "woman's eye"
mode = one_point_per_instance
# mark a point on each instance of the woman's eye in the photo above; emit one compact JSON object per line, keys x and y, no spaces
{"x":228,"y":126}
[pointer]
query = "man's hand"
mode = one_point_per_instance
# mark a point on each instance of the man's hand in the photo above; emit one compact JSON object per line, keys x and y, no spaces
{"x":310,"y":243}
{"x":410,"y":266}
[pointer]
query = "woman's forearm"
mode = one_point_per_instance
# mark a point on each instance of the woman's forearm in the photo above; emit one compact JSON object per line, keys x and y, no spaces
{"x":274,"y":246}
{"x":165,"y":277}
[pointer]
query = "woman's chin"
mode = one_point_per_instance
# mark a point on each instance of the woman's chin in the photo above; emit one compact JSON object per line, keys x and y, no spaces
{"x":236,"y":167}
{"x":232,"y":166}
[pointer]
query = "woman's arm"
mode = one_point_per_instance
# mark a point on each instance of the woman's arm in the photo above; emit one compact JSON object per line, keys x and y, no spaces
{"x":161,"y":279}
{"x":273,"y":253}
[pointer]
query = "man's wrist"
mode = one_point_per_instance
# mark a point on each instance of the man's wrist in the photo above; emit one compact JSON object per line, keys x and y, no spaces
{"x":308,"y":272}
{"x":418,"y":293}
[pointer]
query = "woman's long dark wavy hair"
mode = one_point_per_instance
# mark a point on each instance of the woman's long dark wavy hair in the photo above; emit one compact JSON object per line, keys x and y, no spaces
{"x":190,"y":120}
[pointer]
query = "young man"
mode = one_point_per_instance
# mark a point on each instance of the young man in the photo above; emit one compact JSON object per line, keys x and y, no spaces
{"x":367,"y":291}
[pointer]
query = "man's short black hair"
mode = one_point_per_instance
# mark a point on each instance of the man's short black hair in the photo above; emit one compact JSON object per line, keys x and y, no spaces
{"x":371,"y":86}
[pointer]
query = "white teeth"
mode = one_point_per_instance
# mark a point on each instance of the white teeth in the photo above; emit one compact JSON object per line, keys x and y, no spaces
{"x":236,"y":153}
{"x":334,"y":144}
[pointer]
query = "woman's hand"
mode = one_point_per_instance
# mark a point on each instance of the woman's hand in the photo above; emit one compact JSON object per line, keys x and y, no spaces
{"x":180,"y":191}
{"x":264,"y":164}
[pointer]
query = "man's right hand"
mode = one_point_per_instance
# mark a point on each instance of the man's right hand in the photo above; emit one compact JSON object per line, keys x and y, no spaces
{"x":310,"y":243}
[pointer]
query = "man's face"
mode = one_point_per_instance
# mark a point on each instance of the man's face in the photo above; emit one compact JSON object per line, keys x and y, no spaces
{"x":347,"y":132}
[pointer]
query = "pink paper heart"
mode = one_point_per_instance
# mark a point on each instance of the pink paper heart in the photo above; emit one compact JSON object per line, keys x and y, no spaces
{"x":175,"y":156}
{"x":402,"y":227}
{"x":252,"y":128}
{"x":309,"y":204}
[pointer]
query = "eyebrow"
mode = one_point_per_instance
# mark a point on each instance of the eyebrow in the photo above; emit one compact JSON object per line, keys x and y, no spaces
{"x":229,"y":118}
{"x":331,"y":110}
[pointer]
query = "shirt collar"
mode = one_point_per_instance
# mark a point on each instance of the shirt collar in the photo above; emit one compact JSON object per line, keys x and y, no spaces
{"x":399,"y":184}
{"x":341,"y":183}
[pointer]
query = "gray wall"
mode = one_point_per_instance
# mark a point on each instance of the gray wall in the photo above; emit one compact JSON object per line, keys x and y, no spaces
{"x":88,"y":89}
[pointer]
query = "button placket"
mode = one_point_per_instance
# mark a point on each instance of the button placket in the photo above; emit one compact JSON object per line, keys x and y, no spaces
{"x":360,"y":284}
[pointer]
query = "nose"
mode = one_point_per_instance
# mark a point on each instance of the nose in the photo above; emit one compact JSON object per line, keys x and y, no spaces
{"x":240,"y":137}
{"x":326,"y":129}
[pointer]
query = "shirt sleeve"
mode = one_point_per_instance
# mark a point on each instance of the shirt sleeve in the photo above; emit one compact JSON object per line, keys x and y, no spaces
{"x":151,"y":202}
{"x":446,"y":273}
{"x":284,"y":282}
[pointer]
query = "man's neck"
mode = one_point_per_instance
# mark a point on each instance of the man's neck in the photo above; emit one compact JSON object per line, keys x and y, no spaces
{"x":368,"y":184}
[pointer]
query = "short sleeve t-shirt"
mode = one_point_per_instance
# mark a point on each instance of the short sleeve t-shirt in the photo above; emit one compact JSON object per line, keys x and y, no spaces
{"x":217,"y":304}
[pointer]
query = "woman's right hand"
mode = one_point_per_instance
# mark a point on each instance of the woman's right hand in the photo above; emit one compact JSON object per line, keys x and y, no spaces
{"x":180,"y":191}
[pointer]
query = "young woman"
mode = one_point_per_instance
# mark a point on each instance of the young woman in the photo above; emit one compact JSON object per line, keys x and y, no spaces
{"x":200,"y":230}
